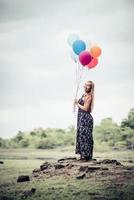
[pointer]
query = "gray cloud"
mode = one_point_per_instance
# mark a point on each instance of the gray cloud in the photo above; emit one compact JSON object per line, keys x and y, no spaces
{"x":19,"y":10}
{"x":36,"y":71}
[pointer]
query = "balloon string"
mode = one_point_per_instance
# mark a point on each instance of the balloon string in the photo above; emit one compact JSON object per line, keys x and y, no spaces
{"x":86,"y":73}
{"x":79,"y":73}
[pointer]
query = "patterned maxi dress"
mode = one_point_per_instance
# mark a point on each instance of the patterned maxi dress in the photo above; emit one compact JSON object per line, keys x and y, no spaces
{"x":84,"y":136}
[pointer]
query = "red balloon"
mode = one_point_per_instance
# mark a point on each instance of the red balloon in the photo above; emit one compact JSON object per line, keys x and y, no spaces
{"x":93,"y":63}
{"x":85,"y":57}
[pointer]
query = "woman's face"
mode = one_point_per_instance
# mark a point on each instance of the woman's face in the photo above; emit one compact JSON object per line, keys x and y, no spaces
{"x":87,"y":87}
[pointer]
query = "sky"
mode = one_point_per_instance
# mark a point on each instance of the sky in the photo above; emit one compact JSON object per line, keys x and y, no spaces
{"x":37,"y":74}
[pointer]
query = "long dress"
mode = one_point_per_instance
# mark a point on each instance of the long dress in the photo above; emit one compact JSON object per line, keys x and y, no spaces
{"x":84,"y":135}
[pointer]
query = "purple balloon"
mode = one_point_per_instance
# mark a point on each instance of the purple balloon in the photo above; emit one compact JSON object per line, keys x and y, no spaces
{"x":85,"y":58}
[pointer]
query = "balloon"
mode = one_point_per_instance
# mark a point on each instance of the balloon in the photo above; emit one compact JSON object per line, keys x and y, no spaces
{"x":79,"y":46}
{"x":85,"y":57}
{"x":72,"y":38}
{"x":95,"y":51}
{"x":93,"y":63}
{"x":73,"y":56}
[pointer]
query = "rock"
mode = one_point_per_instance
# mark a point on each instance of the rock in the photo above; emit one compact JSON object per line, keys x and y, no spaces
{"x":81,"y":176}
{"x":83,"y":168}
{"x":1,"y":162}
{"x":45,"y":166}
{"x":59,"y":166}
{"x":104,"y":168}
{"x":36,"y":170}
{"x":93,"y":168}
{"x":69,"y":166}
{"x":108,"y":161}
{"x":36,"y":175}
{"x":129,"y":168}
{"x":130,"y":161}
{"x":23,"y":178}
{"x":67,"y":158}
{"x":29,"y":193}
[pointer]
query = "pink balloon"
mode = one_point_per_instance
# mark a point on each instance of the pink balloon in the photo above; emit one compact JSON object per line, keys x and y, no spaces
{"x":85,"y":57}
{"x":93,"y":63}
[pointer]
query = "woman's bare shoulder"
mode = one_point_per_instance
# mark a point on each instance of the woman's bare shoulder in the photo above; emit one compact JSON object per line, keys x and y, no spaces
{"x":88,"y":97}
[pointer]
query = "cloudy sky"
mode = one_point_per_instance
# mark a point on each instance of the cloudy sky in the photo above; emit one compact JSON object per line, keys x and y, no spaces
{"x":37,"y":74}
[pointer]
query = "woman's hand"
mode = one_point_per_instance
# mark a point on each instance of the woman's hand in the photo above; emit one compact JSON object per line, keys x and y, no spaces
{"x":75,"y":102}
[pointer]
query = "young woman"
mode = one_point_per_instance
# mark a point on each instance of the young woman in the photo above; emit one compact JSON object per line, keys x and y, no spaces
{"x":85,"y":121}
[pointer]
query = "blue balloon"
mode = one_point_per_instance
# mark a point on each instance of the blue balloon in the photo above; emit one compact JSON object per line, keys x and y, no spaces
{"x":79,"y":46}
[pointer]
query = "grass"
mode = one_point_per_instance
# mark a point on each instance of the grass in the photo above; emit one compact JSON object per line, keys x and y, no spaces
{"x":23,"y":161}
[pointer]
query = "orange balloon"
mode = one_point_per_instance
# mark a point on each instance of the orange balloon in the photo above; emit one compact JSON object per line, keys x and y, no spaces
{"x":93,"y":63}
{"x":95,"y":51}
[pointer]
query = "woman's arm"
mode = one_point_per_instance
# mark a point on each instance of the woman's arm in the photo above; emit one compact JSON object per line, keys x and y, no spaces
{"x":86,"y":105}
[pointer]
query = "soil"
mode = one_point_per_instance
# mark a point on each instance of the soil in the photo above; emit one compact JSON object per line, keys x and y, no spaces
{"x":80,"y":169}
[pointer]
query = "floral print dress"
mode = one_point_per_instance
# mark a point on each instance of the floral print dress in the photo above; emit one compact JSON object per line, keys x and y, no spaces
{"x":84,"y":136}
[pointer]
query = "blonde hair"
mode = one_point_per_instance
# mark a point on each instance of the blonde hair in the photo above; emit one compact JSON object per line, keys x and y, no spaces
{"x":92,"y":93}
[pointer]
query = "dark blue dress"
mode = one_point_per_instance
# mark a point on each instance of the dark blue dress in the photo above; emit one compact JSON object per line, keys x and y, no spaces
{"x":84,"y":137}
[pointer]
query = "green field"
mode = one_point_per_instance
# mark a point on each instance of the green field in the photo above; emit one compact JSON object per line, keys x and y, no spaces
{"x":23,"y":161}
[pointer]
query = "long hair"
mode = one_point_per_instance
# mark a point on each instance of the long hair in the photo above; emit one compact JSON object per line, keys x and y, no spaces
{"x":92,"y":94}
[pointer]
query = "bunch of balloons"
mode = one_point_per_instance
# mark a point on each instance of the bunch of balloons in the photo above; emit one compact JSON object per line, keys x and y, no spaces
{"x":82,"y":54}
{"x":87,"y":56}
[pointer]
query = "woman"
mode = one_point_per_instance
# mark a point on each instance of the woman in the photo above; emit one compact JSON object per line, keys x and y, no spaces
{"x":85,"y":121}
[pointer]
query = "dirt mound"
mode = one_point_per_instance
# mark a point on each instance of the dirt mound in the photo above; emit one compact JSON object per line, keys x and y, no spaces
{"x":93,"y":169}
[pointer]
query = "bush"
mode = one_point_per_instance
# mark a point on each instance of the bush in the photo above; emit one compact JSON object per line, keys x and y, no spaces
{"x":24,"y":143}
{"x":107,"y":135}
{"x":45,"y":144}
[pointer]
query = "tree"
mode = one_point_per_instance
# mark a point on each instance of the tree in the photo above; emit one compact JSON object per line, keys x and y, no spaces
{"x":19,"y":137}
{"x":3,"y":143}
{"x":108,"y":132}
{"x":129,"y":121}
{"x":32,"y":133}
